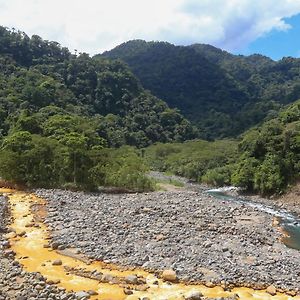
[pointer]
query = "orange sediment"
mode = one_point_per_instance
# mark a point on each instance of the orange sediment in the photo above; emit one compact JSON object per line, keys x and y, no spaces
{"x":34,"y":257}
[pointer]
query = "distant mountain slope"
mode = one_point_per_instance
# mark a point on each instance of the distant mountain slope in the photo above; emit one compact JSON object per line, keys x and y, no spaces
{"x":223,"y":94}
{"x":36,"y":74}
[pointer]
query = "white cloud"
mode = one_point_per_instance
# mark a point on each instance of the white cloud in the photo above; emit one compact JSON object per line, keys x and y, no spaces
{"x":96,"y":25}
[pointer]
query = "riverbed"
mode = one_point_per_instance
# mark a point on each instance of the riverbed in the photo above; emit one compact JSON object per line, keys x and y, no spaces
{"x":205,"y":240}
{"x":202,"y":238}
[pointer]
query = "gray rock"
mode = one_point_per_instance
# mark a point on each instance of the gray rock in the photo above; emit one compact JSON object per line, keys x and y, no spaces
{"x":233,"y":241}
{"x":131,"y":279}
{"x":194,"y":296}
{"x":82,"y":295}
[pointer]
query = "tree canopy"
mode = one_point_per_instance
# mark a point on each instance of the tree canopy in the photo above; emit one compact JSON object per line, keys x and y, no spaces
{"x":60,"y":111}
{"x":221,"y":93}
{"x":79,"y":121}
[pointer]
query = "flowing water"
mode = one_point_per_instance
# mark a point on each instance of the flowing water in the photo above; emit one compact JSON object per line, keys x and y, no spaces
{"x":31,"y":236}
{"x":288,"y":222}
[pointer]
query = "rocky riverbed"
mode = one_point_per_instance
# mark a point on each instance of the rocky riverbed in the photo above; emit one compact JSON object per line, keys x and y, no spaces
{"x":289,"y":201}
{"x":16,"y":284}
{"x":202,"y":238}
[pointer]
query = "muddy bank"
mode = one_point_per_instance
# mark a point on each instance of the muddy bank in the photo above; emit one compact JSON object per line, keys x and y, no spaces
{"x":96,"y":280}
{"x":202,"y":238}
{"x":15,"y":283}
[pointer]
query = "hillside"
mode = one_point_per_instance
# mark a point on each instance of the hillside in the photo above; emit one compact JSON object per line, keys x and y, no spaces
{"x":36,"y":74}
{"x":222,"y":94}
{"x":68,"y":120}
{"x":265,"y":160}
{"x":58,"y":110}
{"x":270,"y":154}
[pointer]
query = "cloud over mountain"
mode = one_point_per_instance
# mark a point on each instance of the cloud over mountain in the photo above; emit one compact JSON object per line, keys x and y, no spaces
{"x":97,"y":25}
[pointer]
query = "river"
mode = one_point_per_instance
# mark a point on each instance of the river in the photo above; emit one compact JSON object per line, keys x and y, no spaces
{"x":288,"y":222}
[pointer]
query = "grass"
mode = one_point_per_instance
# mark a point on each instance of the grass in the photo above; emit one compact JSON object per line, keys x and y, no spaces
{"x":161,"y":184}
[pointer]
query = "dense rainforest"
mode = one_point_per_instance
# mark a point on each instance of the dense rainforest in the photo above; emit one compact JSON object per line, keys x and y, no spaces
{"x":221,"y":93}
{"x":59,"y":112}
{"x":265,"y":159}
{"x":75,"y":121}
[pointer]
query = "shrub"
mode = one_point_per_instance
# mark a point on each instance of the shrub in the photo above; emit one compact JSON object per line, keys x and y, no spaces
{"x":219,"y":176}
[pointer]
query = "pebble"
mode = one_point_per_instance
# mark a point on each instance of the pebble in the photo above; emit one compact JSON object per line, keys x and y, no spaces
{"x":131,"y":279}
{"x":194,"y":296}
{"x":184,"y":231}
{"x":82,"y":295}
{"x":57,"y":262}
{"x":127,"y":291}
{"x":33,"y":285}
{"x":198,"y":236}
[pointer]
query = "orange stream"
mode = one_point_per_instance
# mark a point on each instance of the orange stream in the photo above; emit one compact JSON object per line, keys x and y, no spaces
{"x":30,"y":252}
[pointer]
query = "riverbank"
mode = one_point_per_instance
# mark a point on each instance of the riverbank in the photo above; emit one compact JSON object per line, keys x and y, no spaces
{"x":15,"y":283}
{"x":202,"y":238}
{"x":289,"y":201}
{"x":30,"y":241}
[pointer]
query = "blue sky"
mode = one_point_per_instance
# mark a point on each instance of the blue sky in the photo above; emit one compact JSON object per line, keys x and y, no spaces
{"x":277,"y":44}
{"x":270,"y":27}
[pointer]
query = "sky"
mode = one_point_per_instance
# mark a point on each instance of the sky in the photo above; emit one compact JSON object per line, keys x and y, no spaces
{"x":269,"y":27}
{"x":277,"y":44}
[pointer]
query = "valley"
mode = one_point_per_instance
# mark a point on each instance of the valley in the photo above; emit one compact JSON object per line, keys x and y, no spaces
{"x":111,"y":167}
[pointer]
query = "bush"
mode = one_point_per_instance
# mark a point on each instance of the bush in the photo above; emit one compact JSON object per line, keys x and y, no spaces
{"x":122,"y":168}
{"x":243,"y":173}
{"x":218,"y":176}
{"x":38,"y":161}
{"x":268,"y":178}
{"x":191,"y":159}
{"x":30,"y":159}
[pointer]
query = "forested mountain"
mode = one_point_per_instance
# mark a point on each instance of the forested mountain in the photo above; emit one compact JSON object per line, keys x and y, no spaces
{"x":71,"y":120}
{"x":221,"y":93}
{"x":58,"y":110}
{"x":35,"y":74}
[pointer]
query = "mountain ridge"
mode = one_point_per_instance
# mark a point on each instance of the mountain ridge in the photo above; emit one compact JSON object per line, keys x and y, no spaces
{"x":48,"y":74}
{"x":208,"y":84}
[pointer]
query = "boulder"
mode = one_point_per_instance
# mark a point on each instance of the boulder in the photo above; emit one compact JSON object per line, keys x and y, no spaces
{"x":131,"y":279}
{"x":194,"y":296}
{"x":271,"y":290}
{"x":128,"y":291}
{"x":57,"y":262}
{"x":55,"y":245}
{"x":82,"y":295}
{"x":169,"y":275}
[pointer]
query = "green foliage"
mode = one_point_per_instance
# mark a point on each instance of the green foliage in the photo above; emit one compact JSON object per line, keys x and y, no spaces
{"x":191,"y":159}
{"x":27,"y":51}
{"x":269,"y":178}
{"x":30,"y":159}
{"x":37,"y":74}
{"x":222,"y":94}
{"x":244,"y":171}
{"x":122,"y":168}
{"x":270,"y":154}
{"x":218,"y":176}
{"x":59,"y":112}
{"x":70,"y":162}
{"x":18,"y":142}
